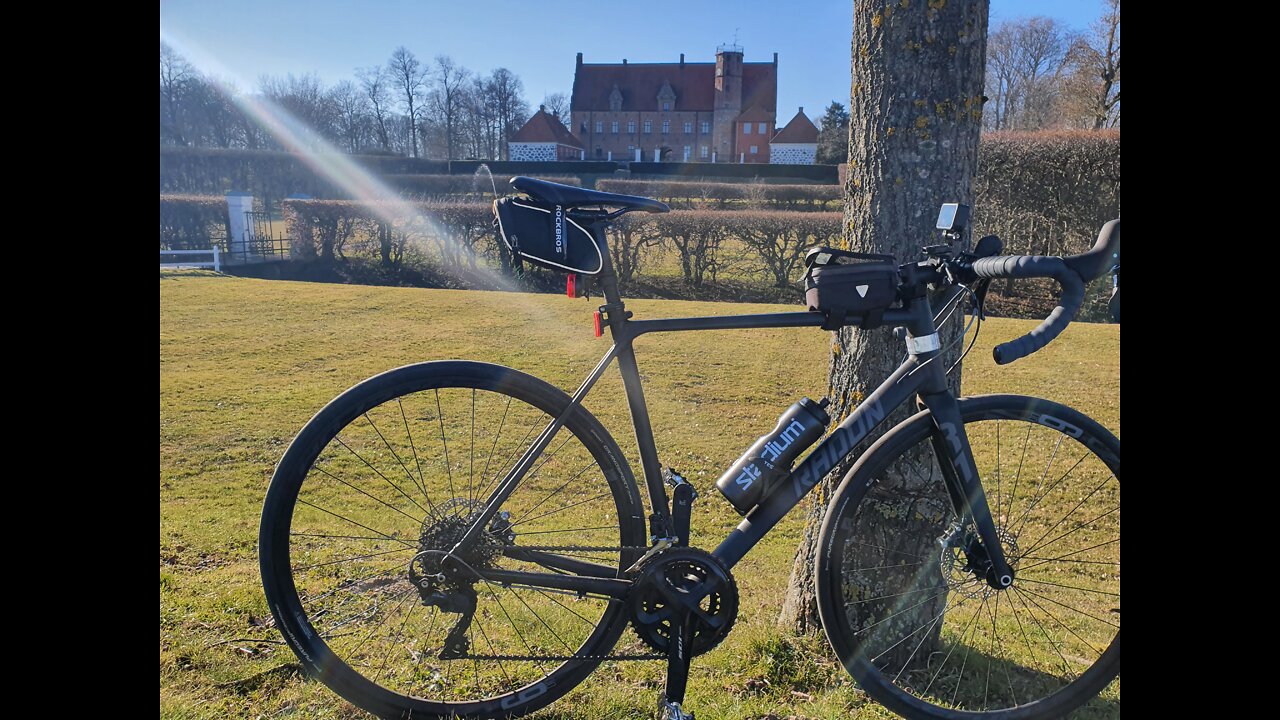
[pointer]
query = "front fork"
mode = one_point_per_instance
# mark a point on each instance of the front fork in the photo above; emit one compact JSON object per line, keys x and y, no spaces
{"x":960,"y":474}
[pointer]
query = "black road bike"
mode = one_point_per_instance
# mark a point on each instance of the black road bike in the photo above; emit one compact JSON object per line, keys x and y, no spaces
{"x":461,"y":539}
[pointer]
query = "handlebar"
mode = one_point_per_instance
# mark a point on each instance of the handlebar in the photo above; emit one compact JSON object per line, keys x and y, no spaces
{"x":1072,"y":273}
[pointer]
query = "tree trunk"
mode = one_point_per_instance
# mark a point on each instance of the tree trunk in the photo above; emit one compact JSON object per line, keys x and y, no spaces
{"x":916,"y":107}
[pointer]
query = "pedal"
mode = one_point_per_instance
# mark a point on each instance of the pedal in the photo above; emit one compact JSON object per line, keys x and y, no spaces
{"x":673,"y":711}
{"x":673,"y":478}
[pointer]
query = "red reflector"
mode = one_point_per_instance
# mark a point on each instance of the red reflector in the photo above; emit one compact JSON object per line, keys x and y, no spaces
{"x":599,"y":328}
{"x":571,"y":285}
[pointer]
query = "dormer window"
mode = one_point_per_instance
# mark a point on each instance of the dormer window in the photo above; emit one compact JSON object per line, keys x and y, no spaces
{"x":666,"y":97}
{"x":615,"y":99}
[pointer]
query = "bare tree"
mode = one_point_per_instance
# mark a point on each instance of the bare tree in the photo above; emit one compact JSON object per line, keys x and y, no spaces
{"x":507,"y":94}
{"x":375,"y":83}
{"x":175,"y":76}
{"x":1026,"y":66}
{"x":305,"y":98}
{"x":446,"y":99}
{"x":410,"y":78}
{"x":351,"y":114}
{"x":1095,"y":82}
{"x":557,"y":104}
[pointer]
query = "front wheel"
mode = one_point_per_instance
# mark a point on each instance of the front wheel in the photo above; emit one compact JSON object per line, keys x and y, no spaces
{"x":901,"y":586}
{"x":383,"y":482}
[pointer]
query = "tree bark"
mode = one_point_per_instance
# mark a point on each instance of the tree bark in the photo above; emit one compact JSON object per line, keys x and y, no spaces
{"x":916,"y":112}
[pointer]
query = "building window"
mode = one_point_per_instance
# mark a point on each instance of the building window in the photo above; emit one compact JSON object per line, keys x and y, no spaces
{"x":599,"y":126}
{"x":746,"y":128}
{"x":631,"y":148}
{"x":705,"y":152}
{"x":706,"y":128}
{"x":666,"y":126}
{"x":688,"y":152}
{"x":755,"y":149}
{"x":614,"y":127}
{"x":688,"y":128}
{"x":764,"y":128}
{"x":599,"y":152}
{"x":666,"y":107}
{"x":631,"y":126}
{"x":648,"y":126}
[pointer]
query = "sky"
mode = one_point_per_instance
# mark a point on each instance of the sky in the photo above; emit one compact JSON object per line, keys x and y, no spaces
{"x":241,"y":40}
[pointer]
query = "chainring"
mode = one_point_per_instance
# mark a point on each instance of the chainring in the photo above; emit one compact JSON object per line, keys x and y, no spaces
{"x":687,"y":571}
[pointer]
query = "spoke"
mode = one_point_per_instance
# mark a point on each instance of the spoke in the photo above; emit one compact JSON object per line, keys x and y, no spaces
{"x":888,"y":567}
{"x":1066,"y":667}
{"x":967,"y":648}
{"x":553,"y":599}
{"x":930,"y":626}
{"x":894,"y":595}
{"x":566,"y":507}
{"x":999,"y":503}
{"x":544,"y":622}
{"x":337,"y":537}
{"x":379,"y":472}
{"x":1081,"y":526}
{"x":354,"y":557}
{"x":391,"y":645}
{"x":447,"y":465}
{"x":584,"y":529}
{"x":1030,"y":651}
{"x":485,"y":472}
{"x":1024,"y":593}
{"x":913,"y":607}
{"x":889,"y":549}
{"x":951,"y":650}
{"x":471,"y":465}
{"x":1025,"y":515}
{"x":494,"y":651}
{"x":557,"y":490}
{"x":1053,"y":527}
{"x":1018,"y":475}
{"x":500,"y":472}
{"x":419,"y":521}
{"x":395,"y":455}
{"x":353,"y":522}
{"x":1072,"y":609}
{"x":511,"y":622}
{"x":353,"y":583}
{"x":1073,"y":552}
{"x":422,"y":484}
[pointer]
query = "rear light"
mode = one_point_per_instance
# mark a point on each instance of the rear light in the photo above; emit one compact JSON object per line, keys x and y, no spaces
{"x":571,"y":285}
{"x":599,"y":321}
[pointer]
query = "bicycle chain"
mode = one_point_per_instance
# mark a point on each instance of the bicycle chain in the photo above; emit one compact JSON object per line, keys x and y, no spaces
{"x":536,"y":658}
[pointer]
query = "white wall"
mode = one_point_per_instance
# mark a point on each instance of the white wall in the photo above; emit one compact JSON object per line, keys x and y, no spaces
{"x":793,"y":153}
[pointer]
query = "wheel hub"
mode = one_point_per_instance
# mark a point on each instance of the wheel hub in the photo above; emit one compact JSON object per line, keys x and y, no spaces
{"x":677,"y":580}
{"x":963,"y":560}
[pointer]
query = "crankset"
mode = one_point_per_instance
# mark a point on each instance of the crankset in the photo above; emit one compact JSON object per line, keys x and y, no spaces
{"x":679,"y":581}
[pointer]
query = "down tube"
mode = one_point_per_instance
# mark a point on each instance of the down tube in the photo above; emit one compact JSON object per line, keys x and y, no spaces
{"x":894,"y":391}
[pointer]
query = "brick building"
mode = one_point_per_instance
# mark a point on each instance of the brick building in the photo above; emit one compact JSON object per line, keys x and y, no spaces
{"x":724,"y":111}
{"x":544,"y":138}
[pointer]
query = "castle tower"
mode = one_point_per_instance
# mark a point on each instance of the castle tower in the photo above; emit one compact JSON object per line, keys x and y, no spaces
{"x":728,"y":99}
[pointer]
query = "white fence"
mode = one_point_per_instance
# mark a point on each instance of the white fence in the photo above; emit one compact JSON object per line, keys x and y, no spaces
{"x":214,"y":251}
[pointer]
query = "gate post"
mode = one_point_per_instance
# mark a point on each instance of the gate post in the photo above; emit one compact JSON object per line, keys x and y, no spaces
{"x":239,"y":229}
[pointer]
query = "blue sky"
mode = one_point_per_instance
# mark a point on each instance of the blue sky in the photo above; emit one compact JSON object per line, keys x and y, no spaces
{"x":244,"y":39}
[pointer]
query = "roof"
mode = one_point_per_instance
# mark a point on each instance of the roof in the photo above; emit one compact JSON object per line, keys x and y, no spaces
{"x":800,"y":130}
{"x":694,"y":85}
{"x":544,"y":127}
{"x":755,"y":112}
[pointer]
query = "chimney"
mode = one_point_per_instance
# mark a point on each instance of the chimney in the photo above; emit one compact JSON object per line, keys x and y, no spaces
{"x":543,"y":108}
{"x":775,"y":58}
{"x":801,"y":109}
{"x":624,"y":61}
{"x":579,"y":59}
{"x":681,"y":59}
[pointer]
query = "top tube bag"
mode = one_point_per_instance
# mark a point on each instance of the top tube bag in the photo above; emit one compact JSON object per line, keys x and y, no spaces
{"x":546,"y":235}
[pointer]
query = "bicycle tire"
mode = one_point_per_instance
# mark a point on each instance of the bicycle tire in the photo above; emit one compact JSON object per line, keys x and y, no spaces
{"x":291,"y":558}
{"x":861,"y":610}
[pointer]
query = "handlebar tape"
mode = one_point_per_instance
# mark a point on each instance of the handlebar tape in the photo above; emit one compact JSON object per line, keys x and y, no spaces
{"x":1035,"y":266}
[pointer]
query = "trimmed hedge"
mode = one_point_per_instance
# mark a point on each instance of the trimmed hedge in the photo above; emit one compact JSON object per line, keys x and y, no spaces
{"x":267,"y":173}
{"x":192,"y":222}
{"x":707,"y":194}
{"x":437,"y":185}
{"x":820,"y":173}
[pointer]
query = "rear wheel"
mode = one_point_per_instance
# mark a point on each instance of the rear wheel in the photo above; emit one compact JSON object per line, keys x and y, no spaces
{"x":901,"y":586}
{"x":381,"y":484}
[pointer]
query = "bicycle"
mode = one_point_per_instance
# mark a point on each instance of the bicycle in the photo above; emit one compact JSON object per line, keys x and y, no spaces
{"x":412,"y":593}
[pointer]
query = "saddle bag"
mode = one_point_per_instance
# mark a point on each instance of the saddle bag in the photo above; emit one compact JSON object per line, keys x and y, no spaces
{"x":546,"y":235}
{"x":839,"y":284}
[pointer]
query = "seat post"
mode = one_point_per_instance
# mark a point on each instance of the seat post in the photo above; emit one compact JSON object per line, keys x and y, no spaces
{"x":608,"y":280}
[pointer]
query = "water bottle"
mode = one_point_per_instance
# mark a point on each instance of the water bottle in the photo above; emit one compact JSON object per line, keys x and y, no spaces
{"x":769,"y":459}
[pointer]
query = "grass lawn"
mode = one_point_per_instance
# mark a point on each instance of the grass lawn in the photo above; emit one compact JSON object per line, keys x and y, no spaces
{"x":245,"y":363}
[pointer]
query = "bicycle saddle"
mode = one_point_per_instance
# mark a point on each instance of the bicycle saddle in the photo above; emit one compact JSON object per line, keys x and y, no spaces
{"x":570,"y":196}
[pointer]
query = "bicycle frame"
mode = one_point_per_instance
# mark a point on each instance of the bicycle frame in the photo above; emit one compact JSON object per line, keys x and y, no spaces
{"x":919,"y":376}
